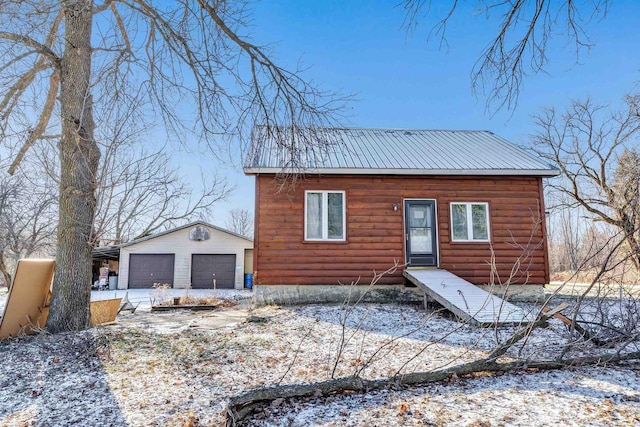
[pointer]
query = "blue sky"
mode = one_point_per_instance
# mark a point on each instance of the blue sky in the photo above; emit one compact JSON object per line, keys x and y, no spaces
{"x":406,"y":81}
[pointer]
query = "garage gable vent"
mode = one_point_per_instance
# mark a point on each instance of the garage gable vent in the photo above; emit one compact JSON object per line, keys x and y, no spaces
{"x":199,"y":234}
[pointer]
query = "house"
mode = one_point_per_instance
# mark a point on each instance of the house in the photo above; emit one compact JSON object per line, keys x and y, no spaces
{"x":194,"y":255}
{"x":469,"y":202}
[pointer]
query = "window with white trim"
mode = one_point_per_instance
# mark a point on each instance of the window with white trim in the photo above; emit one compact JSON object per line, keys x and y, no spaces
{"x":324,"y":215}
{"x":469,"y":222}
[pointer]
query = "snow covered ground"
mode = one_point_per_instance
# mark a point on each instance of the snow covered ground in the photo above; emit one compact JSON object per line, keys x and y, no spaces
{"x":176,"y":369}
{"x":143,"y":297}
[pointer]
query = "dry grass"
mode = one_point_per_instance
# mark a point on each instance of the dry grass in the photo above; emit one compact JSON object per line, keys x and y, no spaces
{"x":619,"y":283}
{"x":624,"y":276}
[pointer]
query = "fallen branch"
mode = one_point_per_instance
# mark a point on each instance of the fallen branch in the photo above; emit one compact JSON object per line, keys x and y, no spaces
{"x":239,"y":407}
{"x":572,"y":324}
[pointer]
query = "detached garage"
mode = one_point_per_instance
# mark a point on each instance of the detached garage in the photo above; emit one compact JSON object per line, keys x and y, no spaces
{"x":196,"y":255}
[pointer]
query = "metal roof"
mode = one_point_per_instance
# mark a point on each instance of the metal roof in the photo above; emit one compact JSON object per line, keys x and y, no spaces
{"x":106,"y":252}
{"x":390,"y":152}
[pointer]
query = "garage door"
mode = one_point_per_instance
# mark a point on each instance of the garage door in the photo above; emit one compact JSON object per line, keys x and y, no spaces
{"x":206,"y":267}
{"x":147,"y":269}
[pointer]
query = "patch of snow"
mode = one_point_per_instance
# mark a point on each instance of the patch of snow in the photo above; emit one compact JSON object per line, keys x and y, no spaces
{"x":544,"y":398}
{"x":182,"y":367}
{"x":4,"y":293}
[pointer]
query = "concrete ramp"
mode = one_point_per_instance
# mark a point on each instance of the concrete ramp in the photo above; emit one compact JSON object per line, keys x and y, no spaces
{"x":466,"y":300}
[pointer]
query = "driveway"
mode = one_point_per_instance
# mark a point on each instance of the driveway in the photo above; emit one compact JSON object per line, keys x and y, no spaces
{"x":144,"y":297}
{"x":172,"y":321}
{"x":175,"y":321}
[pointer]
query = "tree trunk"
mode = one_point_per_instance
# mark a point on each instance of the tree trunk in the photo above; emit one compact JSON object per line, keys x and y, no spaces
{"x":4,"y":271}
{"x":627,"y":224}
{"x":634,"y":248}
{"x":79,"y":156}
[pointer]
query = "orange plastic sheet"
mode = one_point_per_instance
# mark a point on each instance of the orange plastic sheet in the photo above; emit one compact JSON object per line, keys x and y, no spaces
{"x":27,"y":305}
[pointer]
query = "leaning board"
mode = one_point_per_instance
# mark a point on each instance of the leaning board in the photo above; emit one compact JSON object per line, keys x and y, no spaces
{"x":104,"y":311}
{"x":28,"y":300}
{"x":466,"y":300}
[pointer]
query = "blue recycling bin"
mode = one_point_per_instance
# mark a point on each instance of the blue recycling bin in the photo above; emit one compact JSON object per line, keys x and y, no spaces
{"x":248,"y":281}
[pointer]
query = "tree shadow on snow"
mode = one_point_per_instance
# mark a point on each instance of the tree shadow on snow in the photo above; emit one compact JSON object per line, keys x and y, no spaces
{"x":52,"y":380}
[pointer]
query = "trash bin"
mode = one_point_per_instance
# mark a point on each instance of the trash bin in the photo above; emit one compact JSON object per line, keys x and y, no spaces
{"x":248,"y":280}
{"x":113,"y":283}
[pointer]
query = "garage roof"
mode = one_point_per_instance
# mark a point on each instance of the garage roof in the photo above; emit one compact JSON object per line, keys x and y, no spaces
{"x":191,"y":224}
{"x":106,"y":252}
{"x":391,"y":152}
{"x":113,"y":252}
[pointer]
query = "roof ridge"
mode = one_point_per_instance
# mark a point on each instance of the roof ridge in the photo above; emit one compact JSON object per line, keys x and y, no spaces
{"x":408,"y":129}
{"x":182,"y":227}
{"x":396,"y":129}
{"x":399,"y":151}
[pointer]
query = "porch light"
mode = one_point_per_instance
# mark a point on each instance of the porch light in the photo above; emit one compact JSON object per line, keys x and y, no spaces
{"x":395,"y":207}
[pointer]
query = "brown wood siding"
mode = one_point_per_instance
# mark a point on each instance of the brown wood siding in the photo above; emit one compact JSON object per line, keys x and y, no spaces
{"x":375,"y":233}
{"x":543,"y":210}
{"x":256,"y":237}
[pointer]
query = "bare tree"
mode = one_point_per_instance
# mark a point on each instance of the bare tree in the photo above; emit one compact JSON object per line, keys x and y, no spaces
{"x":595,"y":151}
{"x":8,"y":193}
{"x":566,"y":233}
{"x":140,"y":192}
{"x":186,"y":63}
{"x":568,"y":241}
{"x":521,"y":40}
{"x":240,"y":221}
{"x":27,"y":221}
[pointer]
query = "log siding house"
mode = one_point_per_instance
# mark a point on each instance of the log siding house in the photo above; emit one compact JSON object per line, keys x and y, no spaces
{"x":465,"y":201}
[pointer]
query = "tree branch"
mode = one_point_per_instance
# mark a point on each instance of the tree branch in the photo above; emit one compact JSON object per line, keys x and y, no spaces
{"x":40,"y":48}
{"x":42,"y":124}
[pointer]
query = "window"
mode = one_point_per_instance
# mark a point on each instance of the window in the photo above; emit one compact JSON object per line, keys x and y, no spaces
{"x":470,"y":222}
{"x":324,"y":215}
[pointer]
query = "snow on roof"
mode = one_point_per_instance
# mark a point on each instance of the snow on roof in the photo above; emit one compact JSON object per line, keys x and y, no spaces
{"x":390,"y":152}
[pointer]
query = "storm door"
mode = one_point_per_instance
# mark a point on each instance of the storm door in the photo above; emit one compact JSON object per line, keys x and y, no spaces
{"x":420,"y":232}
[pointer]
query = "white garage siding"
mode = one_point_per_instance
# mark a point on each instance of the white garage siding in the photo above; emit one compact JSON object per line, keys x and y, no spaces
{"x":248,"y":261}
{"x":177,"y":242}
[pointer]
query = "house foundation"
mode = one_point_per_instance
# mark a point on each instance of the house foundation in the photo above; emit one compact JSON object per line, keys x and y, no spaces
{"x":394,"y":294}
{"x":524,"y":293}
{"x":334,"y":294}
